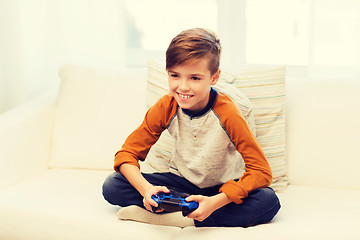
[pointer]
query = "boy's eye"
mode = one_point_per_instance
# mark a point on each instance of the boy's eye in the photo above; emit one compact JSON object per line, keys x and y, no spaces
{"x":174,"y":75}
{"x":195,"y":78}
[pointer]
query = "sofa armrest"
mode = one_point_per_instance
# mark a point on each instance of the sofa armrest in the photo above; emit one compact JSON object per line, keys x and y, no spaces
{"x":25,"y":139}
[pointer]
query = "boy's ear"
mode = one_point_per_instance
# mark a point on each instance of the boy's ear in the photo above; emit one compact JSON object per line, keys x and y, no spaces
{"x":215,"y":77}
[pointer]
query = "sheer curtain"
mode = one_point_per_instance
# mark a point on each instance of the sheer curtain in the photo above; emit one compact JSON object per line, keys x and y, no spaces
{"x":335,"y":39}
{"x":315,"y":39}
{"x":38,"y":36}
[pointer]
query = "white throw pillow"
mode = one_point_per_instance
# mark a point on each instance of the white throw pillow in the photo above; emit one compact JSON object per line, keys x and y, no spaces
{"x":96,"y":110}
{"x":265,"y":88}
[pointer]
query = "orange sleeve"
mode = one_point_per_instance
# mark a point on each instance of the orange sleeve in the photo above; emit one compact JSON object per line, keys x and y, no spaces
{"x":139,"y":142}
{"x":257,"y":170}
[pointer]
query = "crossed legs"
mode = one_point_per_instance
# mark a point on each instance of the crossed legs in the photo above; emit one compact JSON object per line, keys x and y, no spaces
{"x":259,"y":207}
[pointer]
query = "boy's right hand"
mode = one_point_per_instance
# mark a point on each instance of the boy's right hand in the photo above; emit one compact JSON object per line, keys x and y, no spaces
{"x":148,"y":201}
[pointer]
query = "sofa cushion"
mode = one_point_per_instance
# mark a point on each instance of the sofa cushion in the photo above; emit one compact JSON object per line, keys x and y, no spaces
{"x":68,"y":204}
{"x":266,"y":90}
{"x":96,"y":110}
{"x":324,"y":132}
{"x":306,"y":213}
{"x":265,"y":87}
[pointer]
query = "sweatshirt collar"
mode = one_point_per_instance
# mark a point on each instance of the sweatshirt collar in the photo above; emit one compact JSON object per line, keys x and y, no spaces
{"x":212,"y":99}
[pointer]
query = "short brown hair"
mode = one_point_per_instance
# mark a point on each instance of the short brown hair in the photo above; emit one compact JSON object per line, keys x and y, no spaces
{"x":193,"y":44}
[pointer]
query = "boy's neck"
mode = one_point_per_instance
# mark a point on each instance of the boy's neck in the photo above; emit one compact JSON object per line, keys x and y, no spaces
{"x":212,"y":97}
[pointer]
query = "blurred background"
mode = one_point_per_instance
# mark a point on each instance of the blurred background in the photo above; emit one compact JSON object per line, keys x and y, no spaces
{"x":316,"y":39}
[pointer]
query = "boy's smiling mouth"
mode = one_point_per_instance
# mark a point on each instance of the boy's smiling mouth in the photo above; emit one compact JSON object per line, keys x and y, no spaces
{"x":184,"y":96}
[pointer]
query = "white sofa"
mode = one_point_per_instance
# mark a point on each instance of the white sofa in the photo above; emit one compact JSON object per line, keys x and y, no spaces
{"x":47,"y":191}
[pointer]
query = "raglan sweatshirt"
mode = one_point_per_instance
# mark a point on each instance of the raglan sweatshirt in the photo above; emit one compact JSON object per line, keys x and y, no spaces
{"x":215,"y":146}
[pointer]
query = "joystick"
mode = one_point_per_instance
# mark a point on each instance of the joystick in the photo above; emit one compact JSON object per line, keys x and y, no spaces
{"x":174,"y":202}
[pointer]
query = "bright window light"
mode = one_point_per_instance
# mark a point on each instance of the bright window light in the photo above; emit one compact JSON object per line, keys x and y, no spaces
{"x":277,"y":31}
{"x":152,"y":24}
{"x":336,"y":33}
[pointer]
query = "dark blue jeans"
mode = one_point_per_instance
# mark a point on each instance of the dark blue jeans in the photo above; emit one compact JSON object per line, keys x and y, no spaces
{"x":259,"y":207}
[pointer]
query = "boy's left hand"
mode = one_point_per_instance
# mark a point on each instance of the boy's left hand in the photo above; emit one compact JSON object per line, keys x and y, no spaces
{"x":207,"y":205}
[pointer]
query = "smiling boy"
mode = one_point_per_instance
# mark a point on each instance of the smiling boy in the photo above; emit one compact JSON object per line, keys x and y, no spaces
{"x":190,"y":83}
{"x":216,"y":159}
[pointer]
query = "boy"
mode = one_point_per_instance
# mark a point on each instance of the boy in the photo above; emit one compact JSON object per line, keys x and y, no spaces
{"x":210,"y":134}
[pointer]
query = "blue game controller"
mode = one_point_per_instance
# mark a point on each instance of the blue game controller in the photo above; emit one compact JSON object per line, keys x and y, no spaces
{"x":174,"y":202}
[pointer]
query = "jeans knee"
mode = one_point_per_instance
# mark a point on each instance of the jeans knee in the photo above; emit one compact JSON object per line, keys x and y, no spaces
{"x":109,"y":187}
{"x":272,"y":205}
{"x":271,"y":196}
{"x":267,"y":196}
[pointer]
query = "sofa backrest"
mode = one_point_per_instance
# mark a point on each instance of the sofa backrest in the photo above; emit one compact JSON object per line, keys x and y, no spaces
{"x":323,"y":132}
{"x":96,"y":110}
{"x":92,"y":122}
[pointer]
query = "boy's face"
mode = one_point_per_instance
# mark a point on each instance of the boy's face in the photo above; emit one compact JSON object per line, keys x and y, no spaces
{"x":189,"y":84}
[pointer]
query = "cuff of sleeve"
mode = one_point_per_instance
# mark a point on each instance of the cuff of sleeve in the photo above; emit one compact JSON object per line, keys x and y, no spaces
{"x":119,"y":161}
{"x":234,"y":191}
{"x":117,"y":167}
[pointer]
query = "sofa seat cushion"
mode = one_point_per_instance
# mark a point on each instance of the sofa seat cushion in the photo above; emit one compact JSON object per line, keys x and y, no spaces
{"x":68,"y":204}
{"x":306,"y":213}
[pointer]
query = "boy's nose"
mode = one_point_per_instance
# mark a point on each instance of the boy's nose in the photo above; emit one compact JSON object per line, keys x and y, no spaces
{"x":184,"y":85}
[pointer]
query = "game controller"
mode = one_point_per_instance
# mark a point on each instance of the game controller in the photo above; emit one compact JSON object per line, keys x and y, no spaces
{"x":174,"y":202}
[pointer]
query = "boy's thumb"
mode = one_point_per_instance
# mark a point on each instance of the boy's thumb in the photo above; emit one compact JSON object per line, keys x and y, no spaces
{"x":191,"y":198}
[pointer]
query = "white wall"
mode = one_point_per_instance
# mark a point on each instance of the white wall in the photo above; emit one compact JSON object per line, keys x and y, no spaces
{"x":11,"y":91}
{"x":38,"y":36}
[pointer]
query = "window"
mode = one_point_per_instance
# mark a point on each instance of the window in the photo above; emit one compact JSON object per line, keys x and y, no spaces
{"x":336,"y":33}
{"x":313,"y":38}
{"x":277,"y":32}
{"x":150,"y":25}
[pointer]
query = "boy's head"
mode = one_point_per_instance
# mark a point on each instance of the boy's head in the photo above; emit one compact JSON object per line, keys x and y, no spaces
{"x":194,"y":44}
{"x":192,"y":63}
